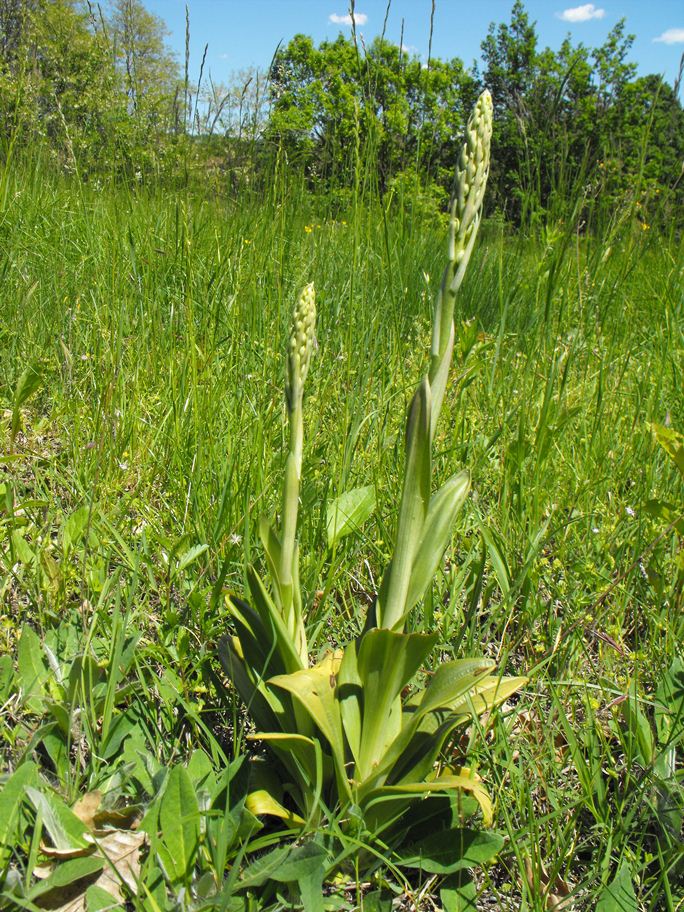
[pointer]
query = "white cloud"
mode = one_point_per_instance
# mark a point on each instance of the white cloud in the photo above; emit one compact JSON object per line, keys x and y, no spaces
{"x":582,"y":13}
{"x":361,"y":19}
{"x":671,"y":36}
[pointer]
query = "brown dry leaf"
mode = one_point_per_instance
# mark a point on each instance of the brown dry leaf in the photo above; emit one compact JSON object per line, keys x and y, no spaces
{"x":122,"y":850}
{"x":65,"y":854}
{"x":43,"y":871}
{"x":86,"y":808}
{"x":556,"y":894}
{"x":125,"y":818}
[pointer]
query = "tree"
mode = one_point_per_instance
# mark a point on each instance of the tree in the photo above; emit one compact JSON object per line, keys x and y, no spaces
{"x":150,"y":71}
{"x":59,"y":81}
{"x":330,"y":103}
{"x":510,"y":56}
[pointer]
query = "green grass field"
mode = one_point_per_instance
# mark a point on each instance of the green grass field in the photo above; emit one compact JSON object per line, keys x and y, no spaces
{"x":143,"y":337}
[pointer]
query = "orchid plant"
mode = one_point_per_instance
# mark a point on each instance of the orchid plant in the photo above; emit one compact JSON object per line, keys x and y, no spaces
{"x":358,"y":732}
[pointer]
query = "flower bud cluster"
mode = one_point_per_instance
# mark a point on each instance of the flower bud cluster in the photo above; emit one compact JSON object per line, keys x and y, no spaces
{"x":473,"y":164}
{"x":302,"y":338}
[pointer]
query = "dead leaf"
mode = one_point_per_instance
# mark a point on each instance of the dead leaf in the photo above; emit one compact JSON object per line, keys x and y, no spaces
{"x":121,"y":849}
{"x":65,"y":854}
{"x":125,"y":818}
{"x":43,"y":871}
{"x":86,"y":808}
{"x":556,"y":894}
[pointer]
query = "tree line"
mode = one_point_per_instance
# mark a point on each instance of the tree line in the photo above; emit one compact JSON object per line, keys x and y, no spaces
{"x":98,"y":90}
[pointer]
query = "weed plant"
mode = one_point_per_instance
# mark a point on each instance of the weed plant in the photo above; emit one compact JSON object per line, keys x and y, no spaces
{"x":142,"y":425}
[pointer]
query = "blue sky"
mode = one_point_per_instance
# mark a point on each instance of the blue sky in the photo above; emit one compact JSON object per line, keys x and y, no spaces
{"x":243,"y":33}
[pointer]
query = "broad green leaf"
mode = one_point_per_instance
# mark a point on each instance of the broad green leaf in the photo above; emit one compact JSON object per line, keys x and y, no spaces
{"x":415,"y":500}
{"x":315,"y":690}
{"x":190,"y":557}
{"x":448,"y":782}
{"x":387,"y":662}
{"x":22,"y":550}
{"x":416,"y":763}
{"x":74,"y":528}
{"x":272,"y":620}
{"x":201,"y":771}
{"x":179,"y":825}
{"x":56,"y":743}
{"x":11,"y":797}
{"x":32,"y":668}
{"x":6,"y":677}
{"x":439,"y":377}
{"x":262,"y":869}
{"x":29,"y":381}
{"x":417,"y":748}
{"x":452,"y":681}
{"x":669,"y":703}
{"x":298,"y":747}
{"x":436,"y":532}
{"x":452,"y":850}
{"x":619,"y":895}
{"x":306,"y":865}
{"x":348,"y":512}
{"x":87,"y":680}
{"x":66,"y":873}
{"x":488,"y":693}
{"x":668,"y":513}
{"x":377,"y":901}
{"x":100,"y":900}
{"x":454,"y":685}
{"x":638,"y":726}
{"x":301,"y":861}
{"x":350,"y":698}
{"x":68,"y":834}
{"x":673,"y":444}
{"x":262,"y":802}
{"x":498,"y":559}
{"x":252,"y":695}
{"x":273,"y":552}
{"x":459,"y":893}
{"x":250,"y":659}
{"x":254,"y":642}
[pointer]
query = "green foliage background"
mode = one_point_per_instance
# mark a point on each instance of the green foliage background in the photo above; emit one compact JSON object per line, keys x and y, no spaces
{"x":99,"y":92}
{"x":154,"y":234}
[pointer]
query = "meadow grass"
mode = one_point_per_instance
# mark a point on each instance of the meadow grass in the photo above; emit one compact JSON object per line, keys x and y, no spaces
{"x":156,"y":437}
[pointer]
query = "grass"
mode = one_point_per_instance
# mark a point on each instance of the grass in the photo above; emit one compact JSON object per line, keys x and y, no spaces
{"x":155,"y":439}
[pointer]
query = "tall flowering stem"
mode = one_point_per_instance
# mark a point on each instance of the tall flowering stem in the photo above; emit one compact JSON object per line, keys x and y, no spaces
{"x":466,"y":211}
{"x":425,"y":521}
{"x":300,"y":349}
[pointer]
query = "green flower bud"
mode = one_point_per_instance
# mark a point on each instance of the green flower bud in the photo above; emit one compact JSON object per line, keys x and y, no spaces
{"x":301,"y":341}
{"x":472,"y":173}
{"x":471,"y":176}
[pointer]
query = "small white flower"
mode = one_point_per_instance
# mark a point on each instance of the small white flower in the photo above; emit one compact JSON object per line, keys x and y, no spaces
{"x":595,"y":530}
{"x":629,"y":511}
